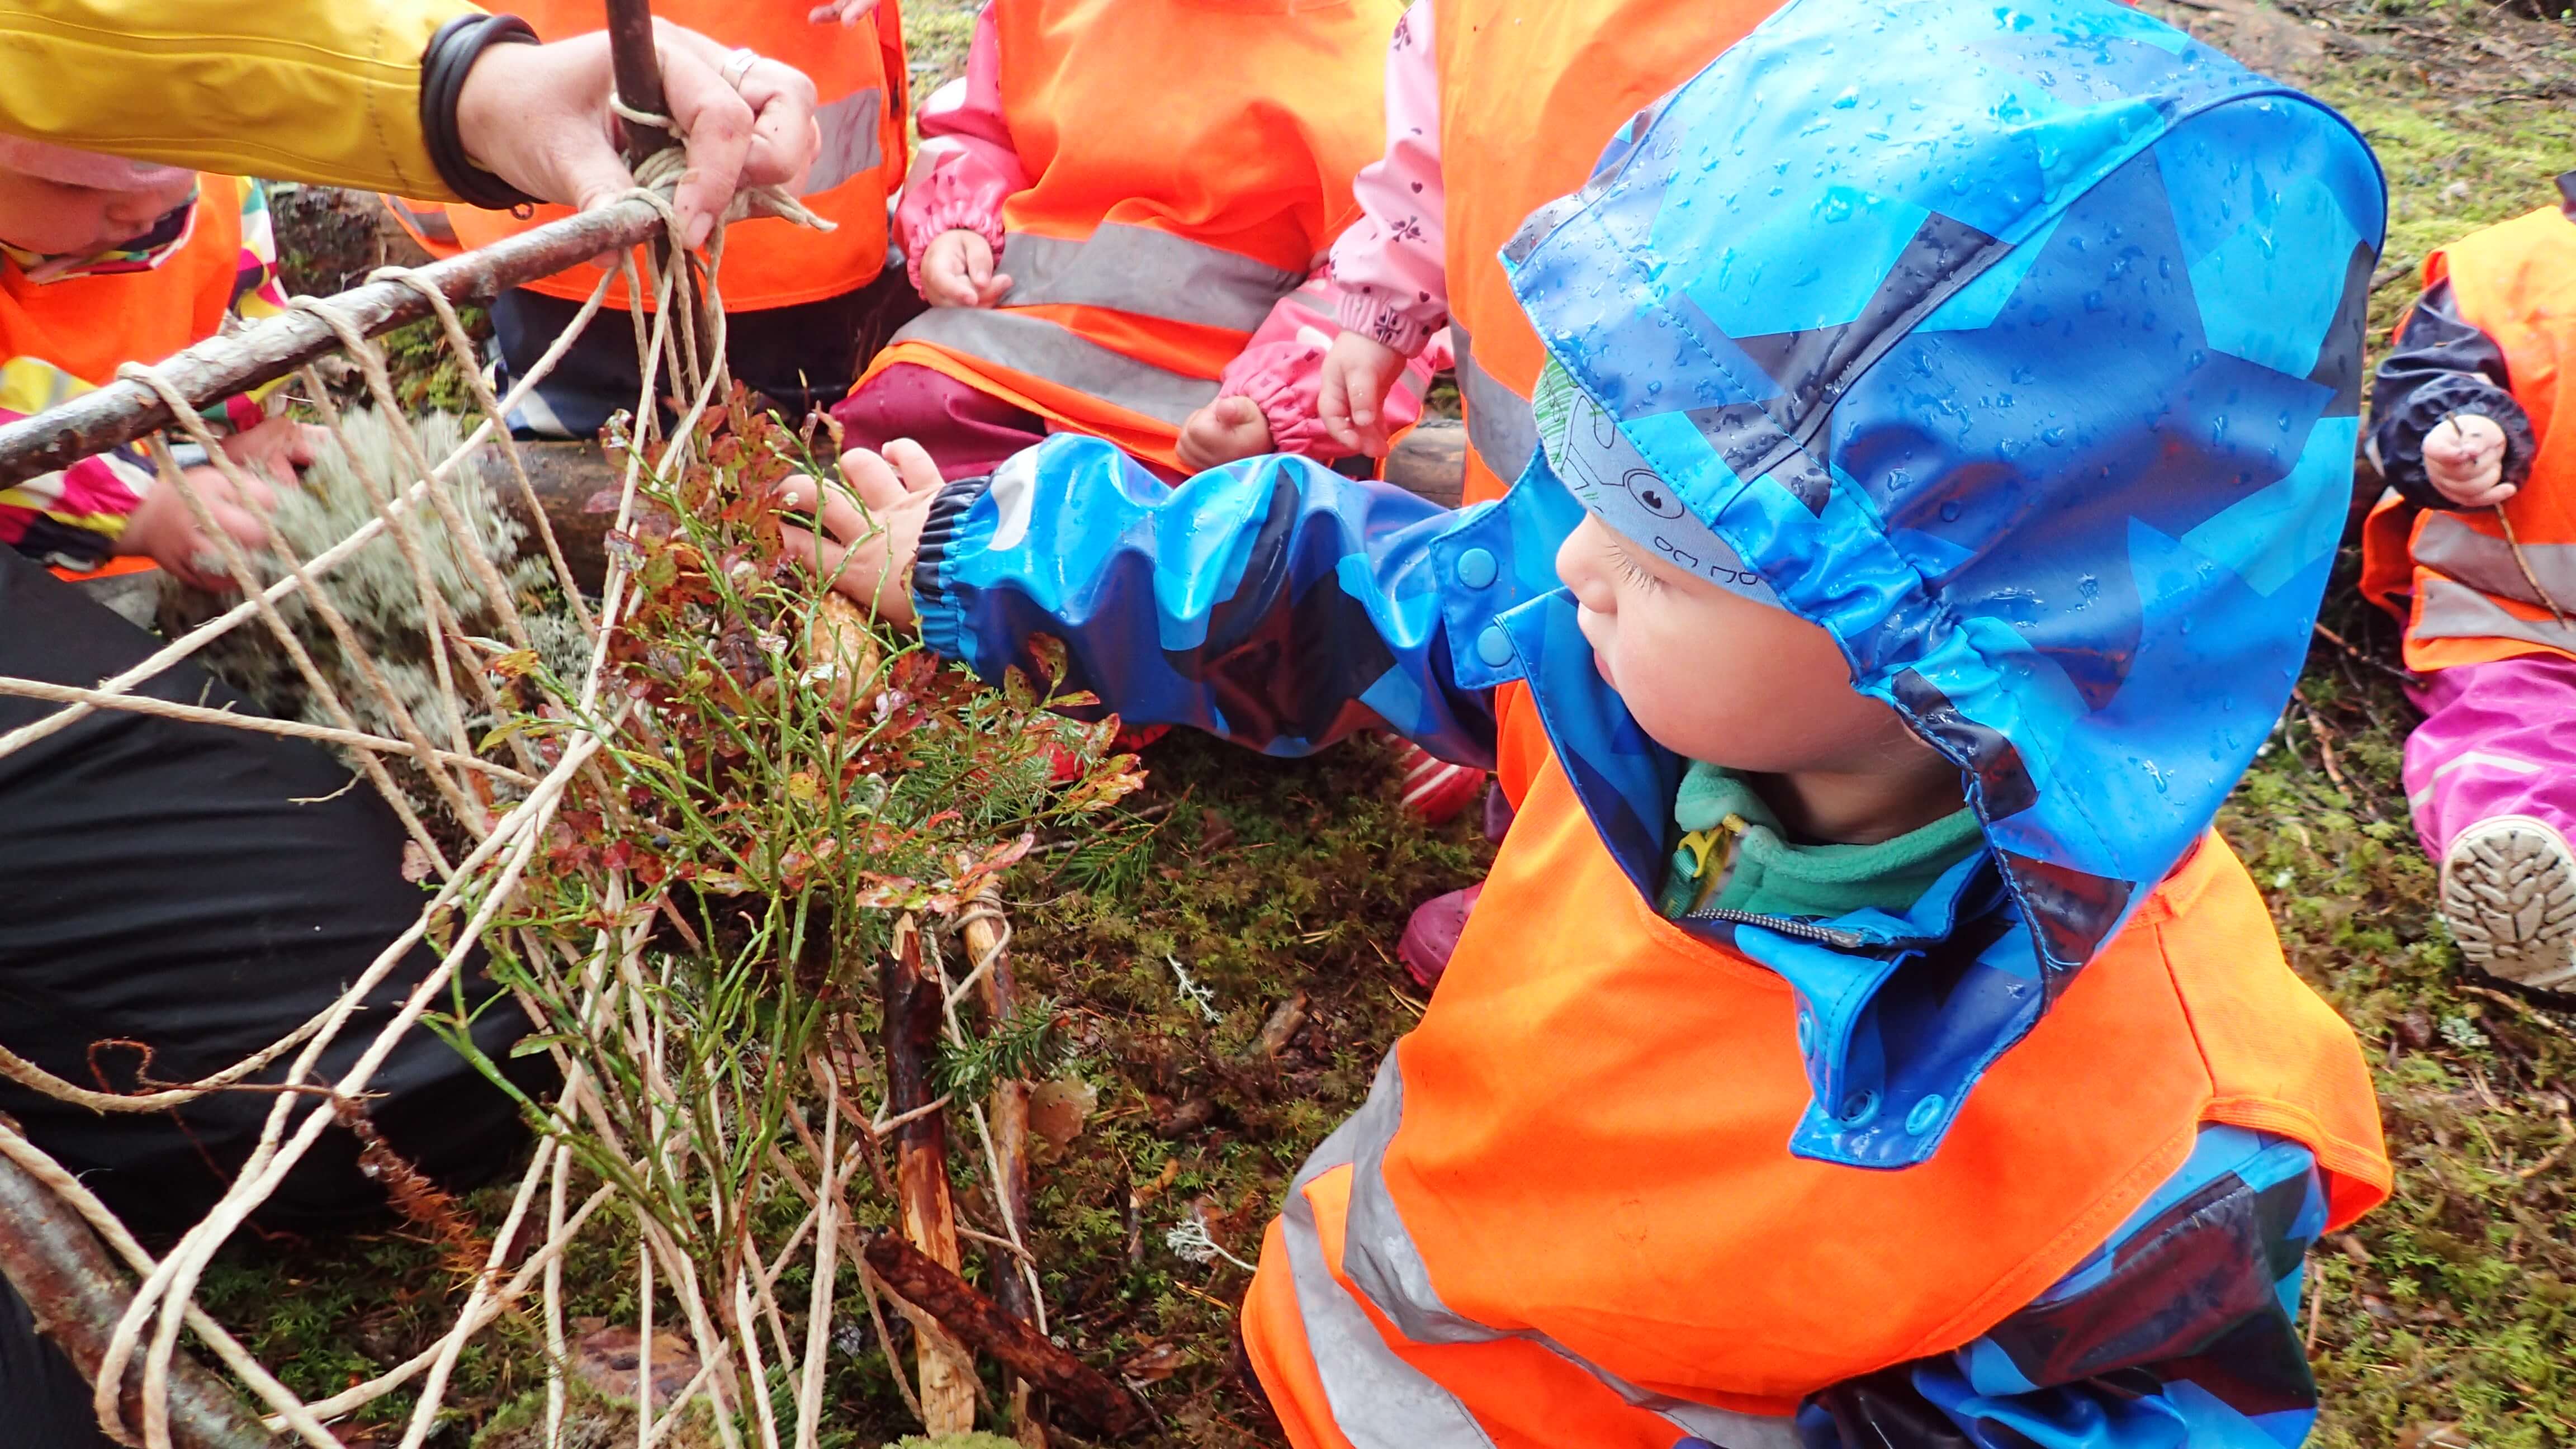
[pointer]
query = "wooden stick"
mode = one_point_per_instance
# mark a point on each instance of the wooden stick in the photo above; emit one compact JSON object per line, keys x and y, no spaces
{"x":637,"y":68}
{"x":1108,"y":1407}
{"x":220,"y":367}
{"x":914,"y":995}
{"x":636,"y":64}
{"x":76,"y":1296}
{"x":986,"y":939}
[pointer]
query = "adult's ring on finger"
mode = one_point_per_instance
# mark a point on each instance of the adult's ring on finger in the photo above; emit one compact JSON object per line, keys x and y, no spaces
{"x":739,"y":64}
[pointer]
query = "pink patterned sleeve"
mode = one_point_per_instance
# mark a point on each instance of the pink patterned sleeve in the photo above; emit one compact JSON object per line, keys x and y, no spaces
{"x":1392,"y":261}
{"x":965,"y":166}
{"x":73,"y":518}
{"x":1282,"y":370}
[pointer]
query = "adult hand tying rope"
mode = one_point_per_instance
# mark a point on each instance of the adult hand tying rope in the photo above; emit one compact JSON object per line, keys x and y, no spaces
{"x":665,"y":173}
{"x":532,"y":115}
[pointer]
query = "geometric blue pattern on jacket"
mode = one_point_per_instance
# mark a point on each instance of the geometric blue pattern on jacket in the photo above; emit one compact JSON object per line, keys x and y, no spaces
{"x":2179,"y":1332}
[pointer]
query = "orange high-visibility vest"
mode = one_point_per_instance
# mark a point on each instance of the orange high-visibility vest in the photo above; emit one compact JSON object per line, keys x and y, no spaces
{"x":90,"y":326}
{"x":1192,"y":161}
{"x":2471,"y":601}
{"x":1576,"y":1168}
{"x":859,"y":81}
{"x":1579,"y":69}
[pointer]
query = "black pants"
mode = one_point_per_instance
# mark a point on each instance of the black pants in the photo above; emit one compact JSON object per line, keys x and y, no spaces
{"x":800,"y":358}
{"x":196,"y":892}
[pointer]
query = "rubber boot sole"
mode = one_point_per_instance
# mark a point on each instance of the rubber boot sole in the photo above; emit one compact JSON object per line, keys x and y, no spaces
{"x":2509,"y":895}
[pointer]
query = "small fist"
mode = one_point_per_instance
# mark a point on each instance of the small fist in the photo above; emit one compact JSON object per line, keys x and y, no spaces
{"x":1352,"y":401}
{"x":2464,"y":456}
{"x":1224,"y":430}
{"x":957,"y":271}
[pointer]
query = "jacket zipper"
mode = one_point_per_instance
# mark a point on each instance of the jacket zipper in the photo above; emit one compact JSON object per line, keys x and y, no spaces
{"x":1796,"y":930}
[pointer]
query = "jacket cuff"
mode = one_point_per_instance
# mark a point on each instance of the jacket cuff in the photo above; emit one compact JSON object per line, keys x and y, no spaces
{"x":943,"y":621}
{"x":1374,"y":315}
{"x":443,"y":67}
{"x":956,"y":208}
{"x":1284,"y":385}
{"x":2399,"y":438}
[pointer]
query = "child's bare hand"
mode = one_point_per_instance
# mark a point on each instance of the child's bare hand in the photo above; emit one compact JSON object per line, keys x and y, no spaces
{"x":1357,"y":373}
{"x":1224,"y":430}
{"x":872,"y":517}
{"x":2464,"y":456}
{"x":278,"y":448}
{"x":957,"y":271}
{"x":841,"y":12}
{"x":164,"y":528}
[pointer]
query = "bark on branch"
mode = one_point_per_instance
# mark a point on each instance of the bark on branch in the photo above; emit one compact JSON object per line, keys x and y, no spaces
{"x":914,"y":999}
{"x":983,"y":930}
{"x":1105,"y":1405}
{"x":77,"y":1294}
{"x":221,"y":367}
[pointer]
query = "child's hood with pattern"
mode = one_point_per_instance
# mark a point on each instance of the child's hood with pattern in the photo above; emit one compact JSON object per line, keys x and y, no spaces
{"x":2027,"y":364}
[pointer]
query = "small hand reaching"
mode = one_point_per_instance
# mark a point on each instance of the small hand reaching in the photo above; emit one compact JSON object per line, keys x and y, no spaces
{"x":164,"y":528}
{"x":871,"y":524}
{"x":1357,"y":374}
{"x":957,"y":271}
{"x":2464,"y":456}
{"x":277,"y":449}
{"x":1221,"y":432}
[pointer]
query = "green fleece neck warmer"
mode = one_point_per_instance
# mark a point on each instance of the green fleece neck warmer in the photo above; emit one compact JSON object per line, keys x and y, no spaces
{"x":1733,"y":857}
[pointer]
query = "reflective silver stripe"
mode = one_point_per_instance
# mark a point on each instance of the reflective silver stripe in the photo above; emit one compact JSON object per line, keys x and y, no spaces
{"x":2483,"y":561}
{"x":849,"y":127}
{"x":1379,"y":1400}
{"x":432,"y":223}
{"x":1379,"y":1257}
{"x":1149,"y":273}
{"x":2453,"y":610}
{"x":1377,"y":1248}
{"x":1036,"y":345}
{"x":1499,"y":425}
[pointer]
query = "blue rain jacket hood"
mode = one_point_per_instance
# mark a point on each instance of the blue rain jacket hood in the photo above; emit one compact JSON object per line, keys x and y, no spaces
{"x":2020,"y":348}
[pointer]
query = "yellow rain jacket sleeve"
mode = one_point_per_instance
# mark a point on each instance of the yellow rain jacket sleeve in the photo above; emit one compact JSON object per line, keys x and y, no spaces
{"x":303,"y":90}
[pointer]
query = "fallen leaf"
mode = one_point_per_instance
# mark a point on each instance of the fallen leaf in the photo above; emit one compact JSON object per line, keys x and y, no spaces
{"x":607,"y":1360}
{"x":1152,"y":1364}
{"x":2434,"y":1436}
{"x":1148,"y":1192}
{"x":415,"y":862}
{"x":1058,"y":1109}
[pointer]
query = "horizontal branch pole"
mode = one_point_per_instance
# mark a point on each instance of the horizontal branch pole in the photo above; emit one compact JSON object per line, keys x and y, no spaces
{"x":223,"y":367}
{"x":76,"y":1293}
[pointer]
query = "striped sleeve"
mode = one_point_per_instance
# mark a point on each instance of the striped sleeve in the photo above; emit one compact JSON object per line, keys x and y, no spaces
{"x":72,"y":518}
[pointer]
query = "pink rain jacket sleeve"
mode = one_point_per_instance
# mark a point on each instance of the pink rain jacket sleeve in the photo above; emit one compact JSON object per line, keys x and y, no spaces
{"x":1391,"y":262}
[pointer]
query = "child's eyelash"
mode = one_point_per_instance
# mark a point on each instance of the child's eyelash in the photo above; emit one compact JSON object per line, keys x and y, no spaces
{"x":1634,"y":572}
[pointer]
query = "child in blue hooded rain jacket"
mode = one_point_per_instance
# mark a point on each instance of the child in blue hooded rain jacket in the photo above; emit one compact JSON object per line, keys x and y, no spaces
{"x":1864,"y":1039}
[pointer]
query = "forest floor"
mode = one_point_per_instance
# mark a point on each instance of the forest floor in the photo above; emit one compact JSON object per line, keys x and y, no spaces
{"x":1255,"y":892}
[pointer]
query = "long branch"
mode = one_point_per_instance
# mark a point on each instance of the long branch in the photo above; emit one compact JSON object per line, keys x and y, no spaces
{"x":222,"y":367}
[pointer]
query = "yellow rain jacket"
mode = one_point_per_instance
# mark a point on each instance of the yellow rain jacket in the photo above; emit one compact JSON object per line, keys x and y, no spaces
{"x":325,"y":91}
